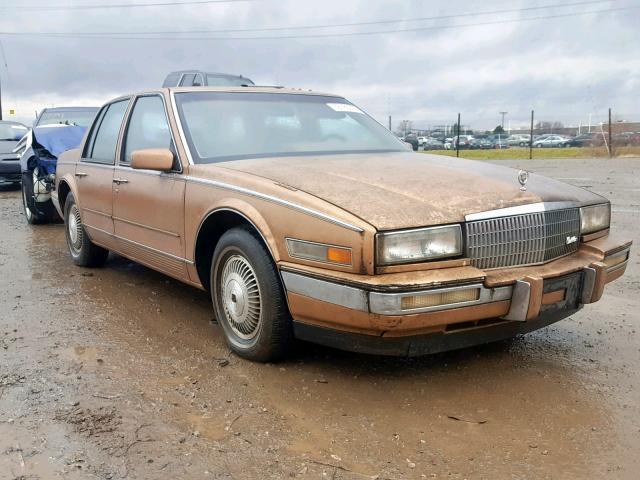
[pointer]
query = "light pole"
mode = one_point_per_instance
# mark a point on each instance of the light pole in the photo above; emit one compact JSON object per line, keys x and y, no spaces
{"x":502,"y":123}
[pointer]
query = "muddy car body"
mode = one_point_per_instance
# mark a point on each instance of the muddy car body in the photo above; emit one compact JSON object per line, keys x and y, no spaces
{"x":307,"y":219}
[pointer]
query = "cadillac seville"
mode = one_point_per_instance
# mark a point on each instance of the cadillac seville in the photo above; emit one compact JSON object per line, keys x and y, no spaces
{"x":306,"y":219}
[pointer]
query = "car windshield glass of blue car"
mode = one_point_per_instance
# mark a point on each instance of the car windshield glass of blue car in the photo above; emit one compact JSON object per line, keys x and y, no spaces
{"x":12,"y":132}
{"x":80,"y":118}
{"x":223,"y":126}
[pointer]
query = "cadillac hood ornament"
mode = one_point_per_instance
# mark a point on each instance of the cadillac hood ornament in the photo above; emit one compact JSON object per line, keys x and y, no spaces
{"x":523,"y":178}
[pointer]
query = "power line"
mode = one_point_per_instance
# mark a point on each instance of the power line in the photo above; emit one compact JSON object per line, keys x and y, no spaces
{"x":326,"y":35}
{"x":117,"y":5}
{"x":338,"y":25}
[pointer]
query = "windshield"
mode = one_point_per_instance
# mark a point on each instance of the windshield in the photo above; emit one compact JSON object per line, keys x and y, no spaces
{"x":227,"y":81}
{"x":82,"y":118}
{"x":12,"y":131}
{"x":222,"y":126}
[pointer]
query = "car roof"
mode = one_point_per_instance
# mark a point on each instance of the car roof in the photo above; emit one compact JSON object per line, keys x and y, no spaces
{"x":70,"y":109}
{"x":232,"y":89}
{"x":11,"y":122}
{"x":217,"y":74}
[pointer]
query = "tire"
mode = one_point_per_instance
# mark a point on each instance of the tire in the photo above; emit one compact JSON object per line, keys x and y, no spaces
{"x":83,"y":251}
{"x":243,"y":272}
{"x":36,"y":213}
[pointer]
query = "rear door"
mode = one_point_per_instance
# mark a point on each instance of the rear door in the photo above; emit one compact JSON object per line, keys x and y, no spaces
{"x":94,"y":172}
{"x":148,"y":206}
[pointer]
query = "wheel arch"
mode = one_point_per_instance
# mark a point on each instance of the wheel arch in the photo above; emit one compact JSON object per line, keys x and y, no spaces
{"x":64,"y":189}
{"x":215,"y":223}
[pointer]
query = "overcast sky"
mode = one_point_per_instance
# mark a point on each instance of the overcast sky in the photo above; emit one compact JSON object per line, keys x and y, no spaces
{"x":564,"y":67}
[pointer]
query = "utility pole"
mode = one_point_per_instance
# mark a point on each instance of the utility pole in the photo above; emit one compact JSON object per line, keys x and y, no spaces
{"x":458,"y":138}
{"x":531,"y":138}
{"x":0,"y":99}
{"x":610,"y":138}
{"x":502,"y":122}
{"x":389,"y":122}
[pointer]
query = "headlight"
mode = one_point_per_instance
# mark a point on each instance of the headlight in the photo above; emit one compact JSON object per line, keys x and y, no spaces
{"x":412,"y":246}
{"x":595,"y":218}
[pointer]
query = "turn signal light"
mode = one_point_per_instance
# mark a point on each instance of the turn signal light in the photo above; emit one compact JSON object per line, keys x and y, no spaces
{"x":339,"y":255}
{"x":319,"y":252}
{"x":439,"y":298}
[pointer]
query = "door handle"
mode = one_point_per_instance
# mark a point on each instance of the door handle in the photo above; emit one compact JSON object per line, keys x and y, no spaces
{"x":118,"y":181}
{"x":81,"y":174}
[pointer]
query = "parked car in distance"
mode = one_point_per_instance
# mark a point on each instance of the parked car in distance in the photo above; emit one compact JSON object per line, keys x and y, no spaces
{"x":325,"y":228}
{"x":499,"y":140}
{"x":551,"y":141}
{"x":432,"y":144}
{"x":55,"y":130}
{"x":519,"y":140}
{"x":198,"y":78}
{"x":463,"y":140}
{"x":480,"y":144}
{"x":412,"y":140}
{"x":10,"y":135}
{"x":585,"y":140}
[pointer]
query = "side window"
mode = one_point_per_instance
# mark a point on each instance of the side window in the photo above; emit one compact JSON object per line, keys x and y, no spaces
{"x":148,"y":127}
{"x":103,"y":149}
{"x":187,"y":80}
{"x":94,"y":129}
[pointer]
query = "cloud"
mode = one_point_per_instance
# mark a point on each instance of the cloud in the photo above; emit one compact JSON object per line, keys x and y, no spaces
{"x":564,"y":68}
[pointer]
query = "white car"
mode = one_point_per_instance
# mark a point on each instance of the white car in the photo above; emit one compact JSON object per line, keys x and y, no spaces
{"x":551,"y":141}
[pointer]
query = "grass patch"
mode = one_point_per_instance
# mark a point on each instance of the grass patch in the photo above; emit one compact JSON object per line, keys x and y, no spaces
{"x":523,"y":153}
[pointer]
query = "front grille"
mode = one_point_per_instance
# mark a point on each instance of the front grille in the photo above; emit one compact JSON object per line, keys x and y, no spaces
{"x":523,"y":239}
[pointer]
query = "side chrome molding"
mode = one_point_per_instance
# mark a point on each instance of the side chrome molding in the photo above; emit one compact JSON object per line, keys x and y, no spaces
{"x":276,"y":200}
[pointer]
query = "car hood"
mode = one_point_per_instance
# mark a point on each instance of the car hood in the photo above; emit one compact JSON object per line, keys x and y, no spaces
{"x":403,"y":190}
{"x":7,"y":146}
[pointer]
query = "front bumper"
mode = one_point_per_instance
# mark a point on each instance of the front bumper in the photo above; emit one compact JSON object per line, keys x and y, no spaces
{"x":417,"y":319}
{"x":9,"y":170}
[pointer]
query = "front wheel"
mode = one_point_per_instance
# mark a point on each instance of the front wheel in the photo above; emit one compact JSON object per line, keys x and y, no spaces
{"x":248,"y":298}
{"x":83,"y":251}
{"x":35,"y":212}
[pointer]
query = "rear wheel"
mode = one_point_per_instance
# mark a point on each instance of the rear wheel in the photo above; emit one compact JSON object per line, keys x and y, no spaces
{"x":83,"y":251}
{"x":248,"y":298}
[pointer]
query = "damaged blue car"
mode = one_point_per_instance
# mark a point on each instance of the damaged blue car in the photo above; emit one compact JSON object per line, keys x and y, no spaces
{"x":55,"y":131}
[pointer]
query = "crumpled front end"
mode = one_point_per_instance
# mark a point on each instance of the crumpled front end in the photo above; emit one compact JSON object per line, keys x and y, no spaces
{"x":40,"y":151}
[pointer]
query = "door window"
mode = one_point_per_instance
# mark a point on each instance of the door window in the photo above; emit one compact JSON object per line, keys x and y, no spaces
{"x":187,"y":80}
{"x":148,"y":127}
{"x":105,"y":139}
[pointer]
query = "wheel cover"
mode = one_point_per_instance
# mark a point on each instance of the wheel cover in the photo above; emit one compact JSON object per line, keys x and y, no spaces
{"x":74,"y":226}
{"x":240,"y":295}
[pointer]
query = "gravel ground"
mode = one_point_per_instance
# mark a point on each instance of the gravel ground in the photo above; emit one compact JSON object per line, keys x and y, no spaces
{"x":119,"y":372}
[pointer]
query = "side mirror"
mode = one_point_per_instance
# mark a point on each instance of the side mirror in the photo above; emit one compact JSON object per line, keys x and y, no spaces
{"x":160,"y":159}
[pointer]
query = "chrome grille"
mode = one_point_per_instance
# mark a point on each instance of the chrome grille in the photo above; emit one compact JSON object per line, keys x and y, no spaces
{"x":522,"y":239}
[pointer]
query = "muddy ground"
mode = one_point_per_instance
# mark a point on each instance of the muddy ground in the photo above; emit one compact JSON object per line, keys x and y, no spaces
{"x":119,"y":373}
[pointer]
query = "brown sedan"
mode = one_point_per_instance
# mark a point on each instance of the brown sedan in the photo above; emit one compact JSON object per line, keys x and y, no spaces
{"x":306,"y":219}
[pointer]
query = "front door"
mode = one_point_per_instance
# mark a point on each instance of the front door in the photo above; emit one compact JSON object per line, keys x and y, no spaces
{"x":94,"y":173}
{"x":148,"y":206}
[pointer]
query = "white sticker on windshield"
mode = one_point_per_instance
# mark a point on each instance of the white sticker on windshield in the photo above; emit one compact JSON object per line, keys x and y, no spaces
{"x":344,"y":107}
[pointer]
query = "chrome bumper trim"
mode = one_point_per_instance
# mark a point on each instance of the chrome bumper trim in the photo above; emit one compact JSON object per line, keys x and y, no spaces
{"x":382,"y":303}
{"x":623,"y":253}
{"x":325,"y":291}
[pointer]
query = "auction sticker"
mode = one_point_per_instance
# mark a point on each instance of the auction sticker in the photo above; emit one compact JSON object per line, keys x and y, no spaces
{"x":344,"y":107}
